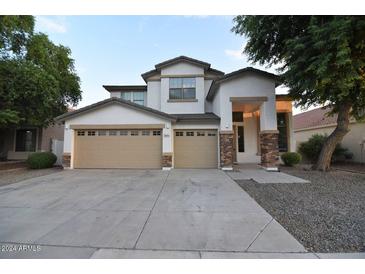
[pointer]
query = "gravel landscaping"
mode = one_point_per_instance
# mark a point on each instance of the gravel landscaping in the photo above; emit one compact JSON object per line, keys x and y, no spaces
{"x":17,"y":175}
{"x":326,"y":215}
{"x":353,"y":167}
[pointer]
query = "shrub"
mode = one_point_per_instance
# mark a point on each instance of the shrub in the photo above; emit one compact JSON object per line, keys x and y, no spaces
{"x":291,"y":158}
{"x":312,"y":148}
{"x":40,"y":160}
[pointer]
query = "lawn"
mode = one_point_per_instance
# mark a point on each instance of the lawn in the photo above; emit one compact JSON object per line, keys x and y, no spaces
{"x":326,"y":215}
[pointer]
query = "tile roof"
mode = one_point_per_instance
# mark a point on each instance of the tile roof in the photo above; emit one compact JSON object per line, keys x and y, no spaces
{"x":208,"y":116}
{"x":125,"y":87}
{"x":313,"y":118}
{"x":115,"y":100}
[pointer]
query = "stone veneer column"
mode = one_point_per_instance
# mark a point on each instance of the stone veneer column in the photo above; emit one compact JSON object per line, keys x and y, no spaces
{"x":66,"y":159}
{"x":226,"y":149}
{"x":166,"y":160}
{"x":269,"y":149}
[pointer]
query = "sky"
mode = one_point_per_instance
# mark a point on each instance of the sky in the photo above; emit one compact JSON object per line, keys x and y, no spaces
{"x":116,"y":50}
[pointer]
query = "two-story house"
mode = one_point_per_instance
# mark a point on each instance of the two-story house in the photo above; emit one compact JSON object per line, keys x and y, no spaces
{"x":188,"y":115}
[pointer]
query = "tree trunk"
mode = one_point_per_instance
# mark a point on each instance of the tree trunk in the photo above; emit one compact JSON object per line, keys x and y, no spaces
{"x":342,"y":128}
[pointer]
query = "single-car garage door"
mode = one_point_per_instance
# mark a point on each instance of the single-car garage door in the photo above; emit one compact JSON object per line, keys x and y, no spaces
{"x":195,"y":149}
{"x":128,"y":148}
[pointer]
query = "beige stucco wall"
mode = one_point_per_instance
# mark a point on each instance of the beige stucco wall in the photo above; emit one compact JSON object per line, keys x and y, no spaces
{"x":52,"y":132}
{"x":351,"y":141}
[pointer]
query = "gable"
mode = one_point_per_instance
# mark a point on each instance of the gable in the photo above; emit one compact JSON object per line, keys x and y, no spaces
{"x":253,"y":80}
{"x":182,"y":68}
{"x":114,"y":114}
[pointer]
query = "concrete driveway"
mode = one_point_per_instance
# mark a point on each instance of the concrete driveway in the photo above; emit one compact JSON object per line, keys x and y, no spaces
{"x":138,"y":214}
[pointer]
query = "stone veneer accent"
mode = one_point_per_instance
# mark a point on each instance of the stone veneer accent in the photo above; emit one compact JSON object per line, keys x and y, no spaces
{"x":167,"y":160}
{"x":269,"y":148}
{"x":226,"y":149}
{"x":66,"y":159}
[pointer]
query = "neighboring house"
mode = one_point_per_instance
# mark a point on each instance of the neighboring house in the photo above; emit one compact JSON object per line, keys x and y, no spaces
{"x":188,"y":115}
{"x":18,"y":143}
{"x":316,"y":121}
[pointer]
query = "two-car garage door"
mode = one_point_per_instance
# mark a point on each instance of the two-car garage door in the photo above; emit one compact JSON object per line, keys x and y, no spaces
{"x":142,"y":148}
{"x":127,"y":148}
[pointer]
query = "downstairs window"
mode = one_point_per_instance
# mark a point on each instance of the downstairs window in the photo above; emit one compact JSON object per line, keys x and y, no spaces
{"x":25,"y":139}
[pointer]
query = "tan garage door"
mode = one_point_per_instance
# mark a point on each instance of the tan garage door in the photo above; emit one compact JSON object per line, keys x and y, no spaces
{"x":118,"y":149}
{"x":195,"y":149}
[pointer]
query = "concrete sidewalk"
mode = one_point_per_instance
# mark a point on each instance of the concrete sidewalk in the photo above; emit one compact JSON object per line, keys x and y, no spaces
{"x":265,"y":177}
{"x":68,"y":252}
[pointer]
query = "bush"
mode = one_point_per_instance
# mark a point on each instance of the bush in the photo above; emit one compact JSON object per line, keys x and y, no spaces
{"x":291,"y":158}
{"x":312,"y":148}
{"x":40,"y":160}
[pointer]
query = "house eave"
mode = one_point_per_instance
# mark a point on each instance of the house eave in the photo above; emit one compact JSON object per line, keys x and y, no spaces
{"x":112,"y":88}
{"x":111,"y":101}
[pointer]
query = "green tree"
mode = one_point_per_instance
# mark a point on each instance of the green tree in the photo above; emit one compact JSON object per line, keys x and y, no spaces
{"x":321,"y":59}
{"x":38,"y":80}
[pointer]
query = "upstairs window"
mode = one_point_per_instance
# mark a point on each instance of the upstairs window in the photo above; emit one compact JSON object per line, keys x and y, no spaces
{"x":138,"y":97}
{"x":182,"y":88}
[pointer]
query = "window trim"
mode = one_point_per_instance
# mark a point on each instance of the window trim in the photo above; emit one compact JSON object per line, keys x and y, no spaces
{"x":182,"y":99}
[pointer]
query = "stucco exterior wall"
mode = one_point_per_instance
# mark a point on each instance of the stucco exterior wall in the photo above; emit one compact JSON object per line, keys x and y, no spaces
{"x":351,"y":140}
{"x":216,"y":109}
{"x":249,"y":85}
{"x":154,"y":94}
{"x":208,"y":105}
{"x":115,"y":94}
{"x":52,"y":132}
{"x":182,"y":68}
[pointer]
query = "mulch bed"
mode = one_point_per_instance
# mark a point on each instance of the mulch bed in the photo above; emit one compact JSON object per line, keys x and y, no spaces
{"x":326,"y":215}
{"x":7,"y":165}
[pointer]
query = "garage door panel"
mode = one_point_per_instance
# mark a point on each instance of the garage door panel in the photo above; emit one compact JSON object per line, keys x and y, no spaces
{"x":196,"y":151}
{"x":118,"y":151}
